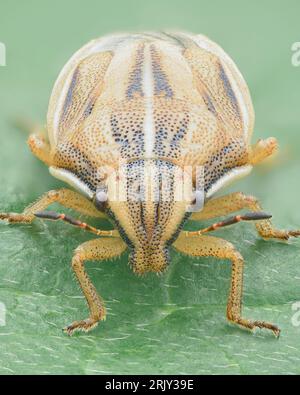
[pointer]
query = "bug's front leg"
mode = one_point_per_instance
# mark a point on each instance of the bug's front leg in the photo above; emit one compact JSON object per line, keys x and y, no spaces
{"x":211,"y":246}
{"x":98,"y":249}
{"x":65,"y":197}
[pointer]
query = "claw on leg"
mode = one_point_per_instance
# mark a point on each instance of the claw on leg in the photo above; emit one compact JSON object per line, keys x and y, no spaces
{"x":267,"y":233}
{"x":251,"y":325}
{"x":15,"y":218}
{"x":97,"y":249}
{"x":83,"y":325}
{"x":202,"y":245}
{"x":293,"y":233}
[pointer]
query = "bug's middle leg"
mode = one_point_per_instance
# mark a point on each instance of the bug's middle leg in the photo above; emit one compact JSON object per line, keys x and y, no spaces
{"x":64,"y":196}
{"x":222,"y":249}
{"x":237,"y":201}
{"x":97,"y":249}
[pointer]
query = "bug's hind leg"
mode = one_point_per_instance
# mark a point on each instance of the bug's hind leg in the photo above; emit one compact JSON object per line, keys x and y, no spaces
{"x":98,"y":249}
{"x":65,"y":197}
{"x":222,"y":249}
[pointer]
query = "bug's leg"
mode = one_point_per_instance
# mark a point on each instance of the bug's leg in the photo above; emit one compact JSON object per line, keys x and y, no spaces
{"x":37,"y":140}
{"x":265,"y":228}
{"x":224,"y":205}
{"x":40,"y":147}
{"x":212,"y":246}
{"x":237,"y":201}
{"x":262,"y":149}
{"x":99,"y":249}
{"x":65,"y":197}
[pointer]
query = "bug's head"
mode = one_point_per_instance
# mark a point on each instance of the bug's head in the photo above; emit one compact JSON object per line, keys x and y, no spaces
{"x":146,"y":202}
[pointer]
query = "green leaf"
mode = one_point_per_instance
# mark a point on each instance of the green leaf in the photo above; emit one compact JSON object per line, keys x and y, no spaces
{"x":174,"y":323}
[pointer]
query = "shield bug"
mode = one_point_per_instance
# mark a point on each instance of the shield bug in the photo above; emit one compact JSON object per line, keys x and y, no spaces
{"x":126,"y":114}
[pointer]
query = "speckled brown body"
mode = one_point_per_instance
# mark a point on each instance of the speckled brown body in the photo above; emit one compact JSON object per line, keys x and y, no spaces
{"x":149,"y":100}
{"x":150,"y":104}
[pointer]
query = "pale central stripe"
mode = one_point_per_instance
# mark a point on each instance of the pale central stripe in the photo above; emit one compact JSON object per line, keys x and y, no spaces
{"x":148,"y":90}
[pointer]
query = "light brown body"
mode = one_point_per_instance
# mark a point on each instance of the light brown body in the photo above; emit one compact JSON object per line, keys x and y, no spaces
{"x":157,"y":101}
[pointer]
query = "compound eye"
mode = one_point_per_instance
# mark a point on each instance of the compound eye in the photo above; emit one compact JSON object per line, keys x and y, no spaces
{"x":100,"y":199}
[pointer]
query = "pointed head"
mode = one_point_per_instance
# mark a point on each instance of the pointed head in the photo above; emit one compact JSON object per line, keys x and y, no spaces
{"x":147,"y":204}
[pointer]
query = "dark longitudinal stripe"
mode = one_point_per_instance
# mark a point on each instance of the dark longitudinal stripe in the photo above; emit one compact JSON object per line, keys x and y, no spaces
{"x":89,"y":108}
{"x":115,"y":129}
{"x":209,"y":103}
{"x":135,"y":81}
{"x":161,"y":84}
{"x":229,"y":90}
{"x":69,"y":97}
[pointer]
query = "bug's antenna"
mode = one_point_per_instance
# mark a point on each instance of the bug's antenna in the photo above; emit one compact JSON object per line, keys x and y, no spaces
{"x":254,"y":216}
{"x":54,"y":216}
